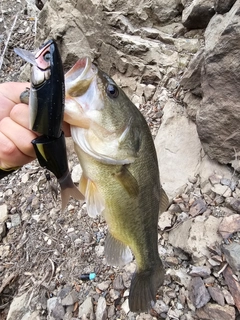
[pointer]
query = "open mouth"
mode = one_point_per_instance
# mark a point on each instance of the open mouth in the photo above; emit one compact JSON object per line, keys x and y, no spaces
{"x":79,"y":77}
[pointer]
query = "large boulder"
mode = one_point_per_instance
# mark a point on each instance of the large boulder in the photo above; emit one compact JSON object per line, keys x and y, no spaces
{"x":218,"y":119}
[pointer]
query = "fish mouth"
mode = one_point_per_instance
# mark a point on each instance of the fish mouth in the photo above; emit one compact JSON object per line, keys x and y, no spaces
{"x":79,"y":77}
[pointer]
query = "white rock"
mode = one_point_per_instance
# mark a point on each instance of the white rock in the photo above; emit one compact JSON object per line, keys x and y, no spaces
{"x":165,"y":220}
{"x":25,"y":177}
{"x":3,"y":213}
{"x":178,"y":149}
{"x":125,"y":306}
{"x":76,"y":173}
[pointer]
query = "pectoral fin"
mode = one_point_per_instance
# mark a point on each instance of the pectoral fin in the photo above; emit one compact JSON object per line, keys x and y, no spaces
{"x":94,"y":201}
{"x":128,"y":181}
{"x":116,"y":253}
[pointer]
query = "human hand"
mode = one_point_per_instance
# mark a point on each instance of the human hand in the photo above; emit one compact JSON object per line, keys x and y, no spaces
{"x":15,"y":137}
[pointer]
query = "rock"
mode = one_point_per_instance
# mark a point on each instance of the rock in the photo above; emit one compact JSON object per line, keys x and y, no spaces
{"x":220,"y":55}
{"x":228,"y":297}
{"x":55,"y":308}
{"x":223,"y":6}
{"x":18,"y":307}
{"x":180,"y":275}
{"x":15,"y":220}
{"x":202,"y":271}
{"x":178,"y":149}
{"x":198,"y":293}
{"x":214,"y":311}
{"x":70,"y":298}
{"x":199,"y":206}
{"x":86,"y":309}
{"x":229,"y":225}
{"x":192,"y":102}
{"x":125,"y":306}
{"x":224,"y":191}
{"x":232,"y":255}
{"x":101,"y":312}
{"x":191,"y":79}
{"x":233,"y":285}
{"x":172,"y":261}
{"x":118,"y":283}
{"x":3,"y":213}
{"x":235,"y":204}
{"x":165,"y":220}
{"x":103,"y":286}
{"x":114,"y":294}
{"x":76,"y":173}
{"x":198,"y":14}
{"x":193,"y":236}
{"x":217,"y":295}
{"x":160,"y":307}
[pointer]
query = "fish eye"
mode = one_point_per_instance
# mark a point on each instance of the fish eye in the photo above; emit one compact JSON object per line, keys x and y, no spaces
{"x":112,"y":91}
{"x":47,"y":56}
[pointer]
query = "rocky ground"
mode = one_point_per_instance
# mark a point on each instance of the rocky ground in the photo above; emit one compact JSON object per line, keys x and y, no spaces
{"x":44,"y":252}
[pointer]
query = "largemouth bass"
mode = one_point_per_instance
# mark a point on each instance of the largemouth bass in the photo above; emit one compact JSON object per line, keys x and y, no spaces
{"x":120,"y":174}
{"x":46,"y":104}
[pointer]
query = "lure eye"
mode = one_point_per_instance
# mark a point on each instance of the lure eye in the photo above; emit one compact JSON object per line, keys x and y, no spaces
{"x":47,"y":56}
{"x":112,"y":91}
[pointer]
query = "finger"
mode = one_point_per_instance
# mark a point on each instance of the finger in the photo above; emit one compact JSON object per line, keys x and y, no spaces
{"x":10,"y":156}
{"x":12,"y":90}
{"x":19,"y":135}
{"x":20,"y":115}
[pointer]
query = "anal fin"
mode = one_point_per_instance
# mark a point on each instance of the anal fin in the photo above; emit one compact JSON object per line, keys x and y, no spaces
{"x":117,"y":253}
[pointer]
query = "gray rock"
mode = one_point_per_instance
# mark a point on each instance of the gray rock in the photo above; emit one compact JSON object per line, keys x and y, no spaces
{"x":103,"y":286}
{"x":101,"y":312}
{"x":70,"y":298}
{"x":222,"y":96}
{"x":198,"y":14}
{"x":198,"y":293}
{"x":17,"y":308}
{"x":216,"y":295}
{"x":200,"y":271}
{"x":178,"y":149}
{"x":193,"y":236}
{"x":214,"y":311}
{"x":55,"y":308}
{"x":86,"y":309}
{"x":223,"y":6}
{"x":118,"y":283}
{"x":232,"y":255}
{"x":228,"y":297}
{"x":165,"y":220}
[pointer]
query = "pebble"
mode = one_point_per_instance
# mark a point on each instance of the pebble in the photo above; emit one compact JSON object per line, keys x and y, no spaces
{"x":232,"y":255}
{"x":118,"y":283}
{"x":199,"y":295}
{"x":214,"y":311}
{"x":221,"y":190}
{"x":86,"y":309}
{"x":216,"y":295}
{"x":101,"y":312}
{"x":228,"y":297}
{"x":70,"y":298}
{"x":201,"y":271}
{"x":3,"y":230}
{"x":55,"y":308}
{"x":103,"y":286}
{"x":172,"y":261}
{"x":125,"y":306}
{"x":114,"y":294}
{"x":165,"y":220}
{"x":15,"y":220}
{"x":3,"y":213}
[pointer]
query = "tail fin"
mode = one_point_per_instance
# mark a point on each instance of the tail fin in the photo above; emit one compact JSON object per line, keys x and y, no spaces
{"x":144,"y":286}
{"x":68,"y":189}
